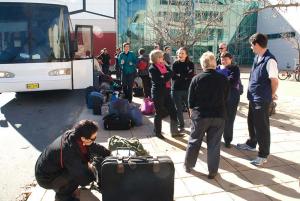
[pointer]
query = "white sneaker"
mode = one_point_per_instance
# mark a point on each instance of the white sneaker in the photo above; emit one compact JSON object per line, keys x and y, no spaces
{"x":258,"y":161}
{"x":245,"y":147}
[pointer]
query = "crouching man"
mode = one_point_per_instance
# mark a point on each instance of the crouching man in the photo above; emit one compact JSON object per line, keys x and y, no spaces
{"x":66,"y":162}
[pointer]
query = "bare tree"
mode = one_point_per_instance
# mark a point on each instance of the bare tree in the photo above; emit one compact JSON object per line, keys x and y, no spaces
{"x":294,"y":40}
{"x":279,"y":4}
{"x":178,"y":24}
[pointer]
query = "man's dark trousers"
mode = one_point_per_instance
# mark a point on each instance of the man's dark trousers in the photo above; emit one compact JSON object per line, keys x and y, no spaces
{"x":259,"y":127}
{"x":231,"y":109}
{"x":105,"y":69}
{"x":213,"y":127}
{"x":127,"y":84}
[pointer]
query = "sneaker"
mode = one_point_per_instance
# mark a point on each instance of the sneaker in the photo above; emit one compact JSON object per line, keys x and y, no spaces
{"x":245,"y":147}
{"x":258,"y":161}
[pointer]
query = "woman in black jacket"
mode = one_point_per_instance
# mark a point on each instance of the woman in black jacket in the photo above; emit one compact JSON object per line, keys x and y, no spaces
{"x":160,"y":91}
{"x":66,"y":162}
{"x":183,"y":72}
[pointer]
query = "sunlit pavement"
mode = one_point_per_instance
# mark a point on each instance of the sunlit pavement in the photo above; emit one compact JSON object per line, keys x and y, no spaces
{"x":278,"y":179}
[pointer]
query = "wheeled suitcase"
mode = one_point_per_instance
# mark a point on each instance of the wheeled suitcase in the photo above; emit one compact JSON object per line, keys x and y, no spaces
{"x":88,"y":91}
{"x":97,"y":100}
{"x":137,"y":179}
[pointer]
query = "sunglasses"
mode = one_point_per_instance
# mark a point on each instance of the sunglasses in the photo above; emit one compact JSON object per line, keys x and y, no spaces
{"x":221,"y":48}
{"x":91,"y":139}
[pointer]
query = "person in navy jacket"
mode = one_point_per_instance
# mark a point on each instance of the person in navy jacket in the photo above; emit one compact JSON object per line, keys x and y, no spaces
{"x":232,"y":73}
{"x":263,"y":84}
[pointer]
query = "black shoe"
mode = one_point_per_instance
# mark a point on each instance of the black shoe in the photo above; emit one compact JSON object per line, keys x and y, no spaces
{"x":160,"y":136}
{"x":187,"y":169}
{"x":181,"y":129}
{"x":228,"y":145}
{"x":212,"y":175}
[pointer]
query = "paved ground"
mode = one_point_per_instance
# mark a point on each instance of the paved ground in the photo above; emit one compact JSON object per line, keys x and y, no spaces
{"x":29,"y":122}
{"x":238,"y":179}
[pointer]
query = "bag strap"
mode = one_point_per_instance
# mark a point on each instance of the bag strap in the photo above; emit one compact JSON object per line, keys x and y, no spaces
{"x":61,"y":156}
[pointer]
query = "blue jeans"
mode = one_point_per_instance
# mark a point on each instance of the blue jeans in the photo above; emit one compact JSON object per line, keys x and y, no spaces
{"x":213,"y":127}
{"x":180,"y":99}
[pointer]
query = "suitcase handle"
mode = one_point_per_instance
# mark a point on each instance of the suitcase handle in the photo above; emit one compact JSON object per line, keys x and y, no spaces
{"x":125,"y":148}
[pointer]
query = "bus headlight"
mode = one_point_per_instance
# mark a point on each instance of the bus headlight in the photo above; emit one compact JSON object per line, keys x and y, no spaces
{"x":61,"y":71}
{"x":5,"y":74}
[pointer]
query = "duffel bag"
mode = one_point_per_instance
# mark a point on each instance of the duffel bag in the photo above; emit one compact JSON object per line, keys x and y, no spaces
{"x":117,"y":142}
{"x":135,"y":115}
{"x":117,"y":122}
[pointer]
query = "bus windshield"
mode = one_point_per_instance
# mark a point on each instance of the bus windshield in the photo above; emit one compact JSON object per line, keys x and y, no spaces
{"x":33,"y":33}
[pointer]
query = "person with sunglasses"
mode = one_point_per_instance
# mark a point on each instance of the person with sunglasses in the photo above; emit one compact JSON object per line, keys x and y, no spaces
{"x":67,"y":162}
{"x":222,"y":49}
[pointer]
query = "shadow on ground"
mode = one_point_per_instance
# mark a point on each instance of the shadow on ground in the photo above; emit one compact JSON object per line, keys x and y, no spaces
{"x":42,"y":116}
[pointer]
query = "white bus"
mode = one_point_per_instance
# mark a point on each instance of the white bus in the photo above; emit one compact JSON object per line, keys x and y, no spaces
{"x":38,"y":49}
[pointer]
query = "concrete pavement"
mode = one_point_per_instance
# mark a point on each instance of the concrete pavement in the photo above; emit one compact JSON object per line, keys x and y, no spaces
{"x":238,"y":179}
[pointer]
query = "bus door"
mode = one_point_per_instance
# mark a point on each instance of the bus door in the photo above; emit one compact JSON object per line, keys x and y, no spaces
{"x":82,"y":64}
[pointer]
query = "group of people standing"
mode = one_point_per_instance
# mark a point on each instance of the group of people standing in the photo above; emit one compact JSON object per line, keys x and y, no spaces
{"x":212,"y":98}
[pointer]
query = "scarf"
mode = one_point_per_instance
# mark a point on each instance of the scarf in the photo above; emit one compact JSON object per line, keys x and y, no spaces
{"x":163,"y":70}
{"x":83,"y":150}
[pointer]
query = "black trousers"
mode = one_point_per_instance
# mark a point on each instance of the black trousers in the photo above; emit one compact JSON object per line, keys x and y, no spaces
{"x":146,"y":85}
{"x":259,"y":127}
{"x":164,"y":105}
{"x":231,"y":108}
{"x":127,"y":84}
{"x":63,"y":185}
{"x":105,"y":68}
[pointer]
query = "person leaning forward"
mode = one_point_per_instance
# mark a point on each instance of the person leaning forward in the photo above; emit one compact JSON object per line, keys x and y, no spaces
{"x":66,"y":162}
{"x":207,"y":97}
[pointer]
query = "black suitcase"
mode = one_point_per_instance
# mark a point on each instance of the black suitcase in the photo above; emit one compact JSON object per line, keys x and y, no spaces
{"x":97,"y":102}
{"x":117,"y":122}
{"x":137,"y":179}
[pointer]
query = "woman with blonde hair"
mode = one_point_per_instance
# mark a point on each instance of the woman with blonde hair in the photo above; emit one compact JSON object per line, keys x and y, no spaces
{"x":160,"y":91}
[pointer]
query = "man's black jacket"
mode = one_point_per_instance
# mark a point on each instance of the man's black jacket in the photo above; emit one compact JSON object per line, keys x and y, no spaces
{"x":208,"y":94}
